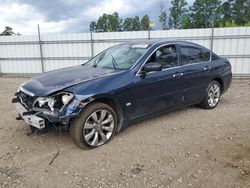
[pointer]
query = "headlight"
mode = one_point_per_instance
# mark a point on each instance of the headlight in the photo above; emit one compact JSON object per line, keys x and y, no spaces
{"x":57,"y":101}
{"x":66,"y":98}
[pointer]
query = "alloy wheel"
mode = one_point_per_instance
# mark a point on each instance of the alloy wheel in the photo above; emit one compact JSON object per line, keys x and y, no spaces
{"x":213,"y":96}
{"x":98,"y":128}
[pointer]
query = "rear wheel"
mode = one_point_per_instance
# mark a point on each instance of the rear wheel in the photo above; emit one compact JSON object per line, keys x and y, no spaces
{"x":212,"y":95}
{"x":95,"y":126}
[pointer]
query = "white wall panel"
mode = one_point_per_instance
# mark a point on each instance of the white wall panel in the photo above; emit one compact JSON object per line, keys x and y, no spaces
{"x":67,"y":50}
{"x":20,"y":66}
{"x":21,"y":54}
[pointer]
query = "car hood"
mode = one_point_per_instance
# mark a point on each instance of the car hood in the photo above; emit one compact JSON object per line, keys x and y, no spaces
{"x":53,"y":81}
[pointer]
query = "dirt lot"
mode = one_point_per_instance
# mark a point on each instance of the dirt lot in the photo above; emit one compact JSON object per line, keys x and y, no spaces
{"x":187,"y":148}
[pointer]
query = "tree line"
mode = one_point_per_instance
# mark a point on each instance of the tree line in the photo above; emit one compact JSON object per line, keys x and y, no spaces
{"x":201,"y":14}
{"x":205,"y":14}
{"x":112,"y":22}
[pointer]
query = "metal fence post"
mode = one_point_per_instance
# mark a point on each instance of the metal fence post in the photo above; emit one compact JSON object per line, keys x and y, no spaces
{"x":149,"y":34}
{"x":212,"y":39}
{"x":0,"y":68}
{"x":92,"y":43}
{"x":40,"y":47}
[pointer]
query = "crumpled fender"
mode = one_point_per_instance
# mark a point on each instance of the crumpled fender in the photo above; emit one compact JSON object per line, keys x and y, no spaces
{"x":81,"y":101}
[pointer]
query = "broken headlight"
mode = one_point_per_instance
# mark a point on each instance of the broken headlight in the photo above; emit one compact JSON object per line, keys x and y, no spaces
{"x":54,"y":102}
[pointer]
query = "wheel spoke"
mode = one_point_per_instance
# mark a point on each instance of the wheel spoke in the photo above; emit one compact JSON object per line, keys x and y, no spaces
{"x":95,"y":140}
{"x":217,"y":90}
{"x":212,"y":89}
{"x":109,"y":119}
{"x":89,"y":135}
{"x":89,"y":125}
{"x":103,"y":114}
{"x":210,"y":101}
{"x":214,"y":101}
{"x":94,"y":117}
{"x":103,"y":136}
{"x":107,"y":128}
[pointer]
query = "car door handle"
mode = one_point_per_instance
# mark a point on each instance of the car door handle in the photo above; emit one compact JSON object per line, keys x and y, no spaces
{"x":207,"y":68}
{"x":178,"y":75}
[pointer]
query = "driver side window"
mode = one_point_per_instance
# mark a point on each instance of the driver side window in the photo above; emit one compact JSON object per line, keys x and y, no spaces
{"x":166,"y":56}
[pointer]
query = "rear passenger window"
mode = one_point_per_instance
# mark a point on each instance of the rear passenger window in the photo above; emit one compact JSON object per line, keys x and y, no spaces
{"x":191,"y":54}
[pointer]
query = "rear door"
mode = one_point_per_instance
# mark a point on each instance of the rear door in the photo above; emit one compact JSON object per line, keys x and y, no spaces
{"x":160,"y":90}
{"x":196,"y":68}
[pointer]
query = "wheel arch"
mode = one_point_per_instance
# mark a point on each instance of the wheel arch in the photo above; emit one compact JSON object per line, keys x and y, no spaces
{"x":218,"y":79}
{"x":113,"y":103}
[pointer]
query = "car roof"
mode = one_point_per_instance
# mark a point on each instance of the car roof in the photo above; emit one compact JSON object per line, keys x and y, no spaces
{"x":153,"y":42}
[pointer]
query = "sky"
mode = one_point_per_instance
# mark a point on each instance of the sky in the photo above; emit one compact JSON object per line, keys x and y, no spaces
{"x":69,"y":16}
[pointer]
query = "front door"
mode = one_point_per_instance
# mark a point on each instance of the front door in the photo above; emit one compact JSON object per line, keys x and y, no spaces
{"x":159,"y":90}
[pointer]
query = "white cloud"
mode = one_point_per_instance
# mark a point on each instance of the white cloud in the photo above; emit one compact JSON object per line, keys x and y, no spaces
{"x":23,"y":16}
{"x":124,"y":7}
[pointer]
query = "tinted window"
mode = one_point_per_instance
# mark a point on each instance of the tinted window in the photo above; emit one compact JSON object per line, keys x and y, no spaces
{"x":166,"y":56}
{"x":194,"y":55}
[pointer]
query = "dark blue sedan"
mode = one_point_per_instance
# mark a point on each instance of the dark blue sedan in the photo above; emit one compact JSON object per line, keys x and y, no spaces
{"x":126,"y":82}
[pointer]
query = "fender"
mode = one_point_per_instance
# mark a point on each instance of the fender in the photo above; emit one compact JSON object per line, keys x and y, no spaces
{"x":82,"y":101}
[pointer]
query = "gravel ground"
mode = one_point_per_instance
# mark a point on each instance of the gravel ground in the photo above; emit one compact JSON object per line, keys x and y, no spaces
{"x":187,"y":148}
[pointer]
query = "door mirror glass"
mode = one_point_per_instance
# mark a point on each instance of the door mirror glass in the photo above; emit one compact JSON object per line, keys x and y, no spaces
{"x":152,"y":66}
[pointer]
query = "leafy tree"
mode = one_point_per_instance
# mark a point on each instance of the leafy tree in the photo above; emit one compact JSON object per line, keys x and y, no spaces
{"x":185,"y":22}
{"x":163,"y":15}
{"x":226,"y":12}
{"x":145,"y":21}
{"x":217,"y":16}
{"x":106,"y":22}
{"x":136,"y":23}
{"x":92,"y":26}
{"x":241,"y":11}
{"x":128,"y":24}
{"x":102,"y":23}
{"x":7,"y":31}
{"x":176,"y":12}
{"x":204,"y":13}
{"x":114,"y":22}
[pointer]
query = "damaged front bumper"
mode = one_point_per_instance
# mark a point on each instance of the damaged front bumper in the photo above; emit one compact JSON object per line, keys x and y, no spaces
{"x":29,"y":118}
{"x":40,"y":118}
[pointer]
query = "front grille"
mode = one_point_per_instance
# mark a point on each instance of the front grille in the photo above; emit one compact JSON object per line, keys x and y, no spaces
{"x":26,"y":99}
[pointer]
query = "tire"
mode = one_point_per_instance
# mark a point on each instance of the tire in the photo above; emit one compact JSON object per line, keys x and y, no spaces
{"x":97,"y":119}
{"x":212,"y":95}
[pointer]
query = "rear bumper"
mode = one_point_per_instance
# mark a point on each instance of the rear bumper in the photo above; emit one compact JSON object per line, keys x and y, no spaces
{"x":30,"y":119}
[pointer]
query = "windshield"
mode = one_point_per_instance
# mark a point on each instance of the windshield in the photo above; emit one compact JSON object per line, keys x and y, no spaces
{"x":119,"y":57}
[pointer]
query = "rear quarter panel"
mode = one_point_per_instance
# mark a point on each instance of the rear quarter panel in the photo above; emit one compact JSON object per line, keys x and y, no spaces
{"x":222,"y":70}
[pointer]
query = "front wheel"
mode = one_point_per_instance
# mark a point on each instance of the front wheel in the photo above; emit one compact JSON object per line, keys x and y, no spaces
{"x":94,"y":127}
{"x":212,"y":95}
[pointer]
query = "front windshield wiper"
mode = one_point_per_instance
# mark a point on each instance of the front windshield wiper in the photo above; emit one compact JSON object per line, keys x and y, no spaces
{"x":95,"y":63}
{"x":114,"y":62}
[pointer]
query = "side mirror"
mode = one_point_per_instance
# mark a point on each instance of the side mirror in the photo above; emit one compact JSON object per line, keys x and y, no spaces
{"x":152,"y":66}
